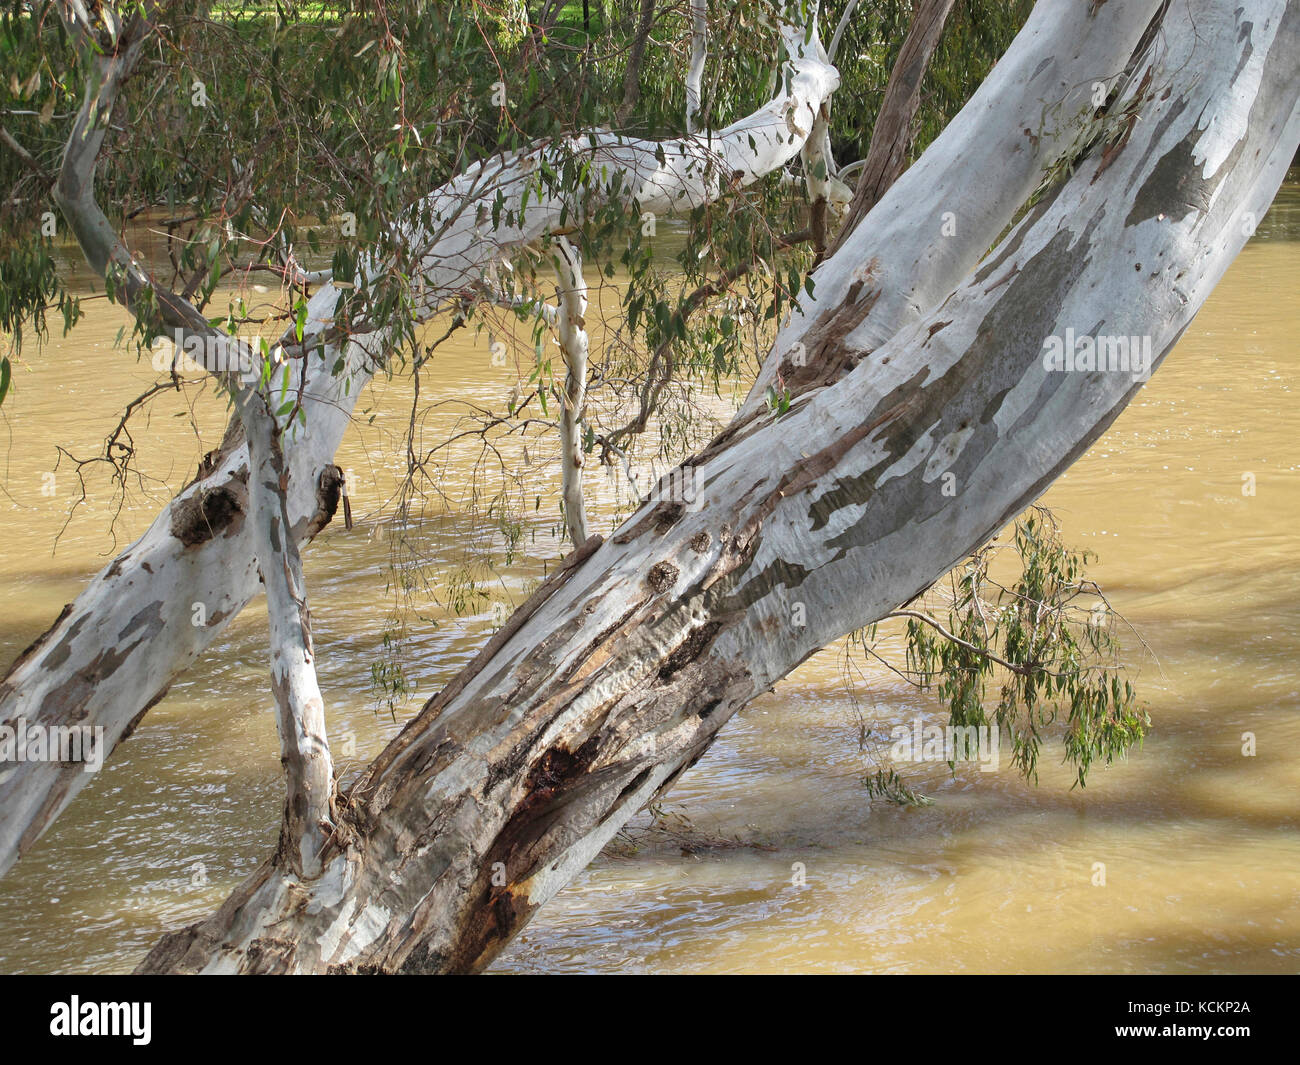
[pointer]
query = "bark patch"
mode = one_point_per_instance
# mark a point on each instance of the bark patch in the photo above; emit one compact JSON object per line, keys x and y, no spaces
{"x":825,"y":357}
{"x":662,"y":576}
{"x":39,"y":642}
{"x":211,"y":511}
{"x":1175,"y":186}
{"x":691,"y":648}
{"x":329,"y":491}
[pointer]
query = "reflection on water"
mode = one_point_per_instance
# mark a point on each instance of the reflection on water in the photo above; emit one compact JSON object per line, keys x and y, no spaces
{"x":772,"y":859}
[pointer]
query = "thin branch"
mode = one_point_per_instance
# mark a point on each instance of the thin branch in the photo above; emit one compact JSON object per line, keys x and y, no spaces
{"x":570,"y":326}
{"x":26,"y":158}
{"x":839,"y":30}
{"x":656,"y":378}
{"x":892,"y":135}
{"x":1024,"y":671}
{"x":110,"y":52}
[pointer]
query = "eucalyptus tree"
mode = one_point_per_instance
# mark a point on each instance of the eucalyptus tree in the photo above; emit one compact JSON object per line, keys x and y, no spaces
{"x":417,"y":260}
{"x":1096,"y":186}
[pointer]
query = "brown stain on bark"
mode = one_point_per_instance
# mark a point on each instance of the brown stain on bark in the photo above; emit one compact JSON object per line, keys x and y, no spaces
{"x":268,"y":956}
{"x":209,"y":512}
{"x":605,"y":644}
{"x":329,"y":492}
{"x":825,"y":357}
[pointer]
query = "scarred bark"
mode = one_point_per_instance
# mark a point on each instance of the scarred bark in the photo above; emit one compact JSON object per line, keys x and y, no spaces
{"x":618,"y":672}
{"x":113,"y":654}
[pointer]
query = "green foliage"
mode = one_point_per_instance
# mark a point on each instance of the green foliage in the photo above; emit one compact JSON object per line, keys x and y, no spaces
{"x":389,"y":684}
{"x":35,"y":94}
{"x":1027,"y":657}
{"x":259,"y":127}
{"x":1066,"y":665}
{"x":888,"y":785}
{"x":30,"y":286}
{"x":976,"y":35}
{"x":777,"y":400}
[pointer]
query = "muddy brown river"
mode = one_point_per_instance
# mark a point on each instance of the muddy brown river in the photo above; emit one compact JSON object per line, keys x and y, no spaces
{"x":769,"y":855}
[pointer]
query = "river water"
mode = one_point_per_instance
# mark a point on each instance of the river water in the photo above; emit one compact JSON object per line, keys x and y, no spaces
{"x":768,"y":855}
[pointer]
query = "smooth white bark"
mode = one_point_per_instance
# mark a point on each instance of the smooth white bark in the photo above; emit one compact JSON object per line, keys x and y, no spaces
{"x":699,"y":53}
{"x":571,"y":333}
{"x":940,"y":218}
{"x":150,"y":613}
{"x":620,"y":671}
{"x":300,"y":708}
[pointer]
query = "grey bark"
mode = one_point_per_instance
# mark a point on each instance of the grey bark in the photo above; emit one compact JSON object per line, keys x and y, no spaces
{"x":619,"y":671}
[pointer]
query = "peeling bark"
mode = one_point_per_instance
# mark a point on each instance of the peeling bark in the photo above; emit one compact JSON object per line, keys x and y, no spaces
{"x":623,"y":667}
{"x":115,"y":651}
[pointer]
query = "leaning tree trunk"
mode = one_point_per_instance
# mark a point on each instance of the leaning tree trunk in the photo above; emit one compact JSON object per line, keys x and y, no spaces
{"x":110,"y":46}
{"x":616,"y":675}
{"x":199,"y":553}
{"x":143,"y":620}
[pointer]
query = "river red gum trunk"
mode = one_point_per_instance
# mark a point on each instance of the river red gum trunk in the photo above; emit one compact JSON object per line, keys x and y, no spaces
{"x":618,"y":673}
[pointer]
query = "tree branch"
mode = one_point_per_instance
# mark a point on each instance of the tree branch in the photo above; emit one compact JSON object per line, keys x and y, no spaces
{"x":304,"y":751}
{"x":632,"y":75}
{"x":699,"y":53}
{"x":570,"y":327}
{"x":891,"y":136}
{"x":26,"y":158}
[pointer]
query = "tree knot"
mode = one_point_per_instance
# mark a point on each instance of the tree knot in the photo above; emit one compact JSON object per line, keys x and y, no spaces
{"x":662,"y":576}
